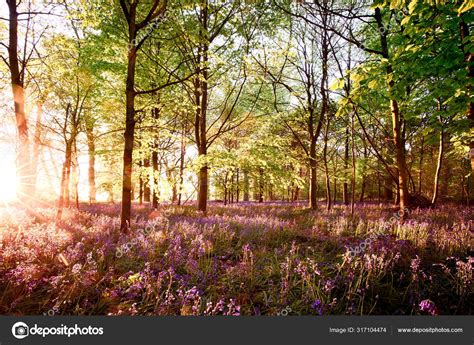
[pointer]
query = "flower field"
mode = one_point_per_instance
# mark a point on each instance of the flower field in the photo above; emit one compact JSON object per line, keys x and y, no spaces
{"x":245,"y":259}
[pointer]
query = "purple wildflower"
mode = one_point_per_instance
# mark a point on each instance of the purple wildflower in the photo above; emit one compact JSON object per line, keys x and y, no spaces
{"x":318,"y":306}
{"x":428,"y":306}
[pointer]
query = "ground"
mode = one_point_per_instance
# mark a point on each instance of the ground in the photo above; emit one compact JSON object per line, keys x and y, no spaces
{"x":241,"y":259}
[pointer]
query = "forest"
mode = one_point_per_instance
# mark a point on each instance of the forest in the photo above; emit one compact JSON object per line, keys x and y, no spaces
{"x":236,"y":157}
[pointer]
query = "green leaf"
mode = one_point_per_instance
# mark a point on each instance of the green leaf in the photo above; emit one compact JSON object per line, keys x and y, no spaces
{"x":373,"y":84}
{"x":337,"y":84}
{"x":412,"y":6}
{"x":466,"y":6}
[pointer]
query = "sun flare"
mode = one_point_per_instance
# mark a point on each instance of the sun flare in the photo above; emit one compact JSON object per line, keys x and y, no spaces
{"x":8,"y":180}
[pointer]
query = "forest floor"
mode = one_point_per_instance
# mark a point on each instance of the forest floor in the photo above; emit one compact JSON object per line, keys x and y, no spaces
{"x":241,"y":259}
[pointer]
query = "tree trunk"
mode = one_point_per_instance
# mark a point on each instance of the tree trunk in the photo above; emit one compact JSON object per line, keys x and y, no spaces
{"x":237,"y":194}
{"x":246,"y":186}
{"x":155,"y":113}
{"x":297,"y":189}
{"x":363,"y":184}
{"x":203,"y":189}
{"x":326,"y":169}
{"x":313,"y":199}
{"x":261,"y":187}
{"x":140,"y":184}
{"x":225,"y":188}
{"x":146,"y":180}
{"x":181,"y":165}
{"x":18,"y":91}
{"x":156,"y":176}
{"x":469,"y":59}
{"x":174,"y":193}
{"x":438,"y":167}
{"x":129,"y":134}
{"x":468,"y":183}
{"x":129,"y":9}
{"x":345,"y":197}
{"x":422,"y":151}
{"x":201,"y":100}
{"x":353,"y":179}
{"x":91,"y":168}
{"x":75,"y":176}
{"x":379,"y":194}
{"x":325,"y":102}
{"x":66,"y":172}
{"x":401,"y":162}
{"x":396,"y":119}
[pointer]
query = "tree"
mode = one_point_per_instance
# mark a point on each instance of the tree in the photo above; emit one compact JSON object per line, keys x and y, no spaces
{"x":130,"y":11}
{"x":17,"y":67}
{"x":304,"y":73}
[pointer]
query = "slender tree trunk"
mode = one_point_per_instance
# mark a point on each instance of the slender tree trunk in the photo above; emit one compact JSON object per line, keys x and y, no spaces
{"x":379,"y":194}
{"x":469,"y":59}
{"x":156,"y":166}
{"x":468,"y":196}
{"x":91,"y":168}
{"x":225,"y":188}
{"x":75,"y":175}
{"x":350,"y":124}
{"x":64,"y":189}
{"x":129,"y":134}
{"x":203,"y":189}
{"x":18,"y":91}
{"x":181,"y":165}
{"x":201,"y":96}
{"x":261,"y":187}
{"x":328,"y":184}
{"x":345,"y":198}
{"x":67,"y":184}
{"x":438,"y":167}
{"x":255,"y":189}
{"x":140,"y":183}
{"x":232,"y":188}
{"x":400,"y":152}
{"x":313,"y":199}
{"x":397,"y":119}
{"x":237,"y":194}
{"x":297,"y":189}
{"x":171,"y":177}
{"x":246,"y":186}
{"x":422,"y":151}
{"x":326,"y":169}
{"x":174,"y":189}
{"x":363,"y":184}
{"x":325,"y":101}
{"x":353,"y":179}
{"x":146,"y":181}
{"x":154,"y":163}
{"x":129,"y":9}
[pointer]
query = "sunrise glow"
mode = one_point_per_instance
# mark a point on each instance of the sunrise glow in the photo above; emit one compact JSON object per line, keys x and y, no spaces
{"x":8,"y":180}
